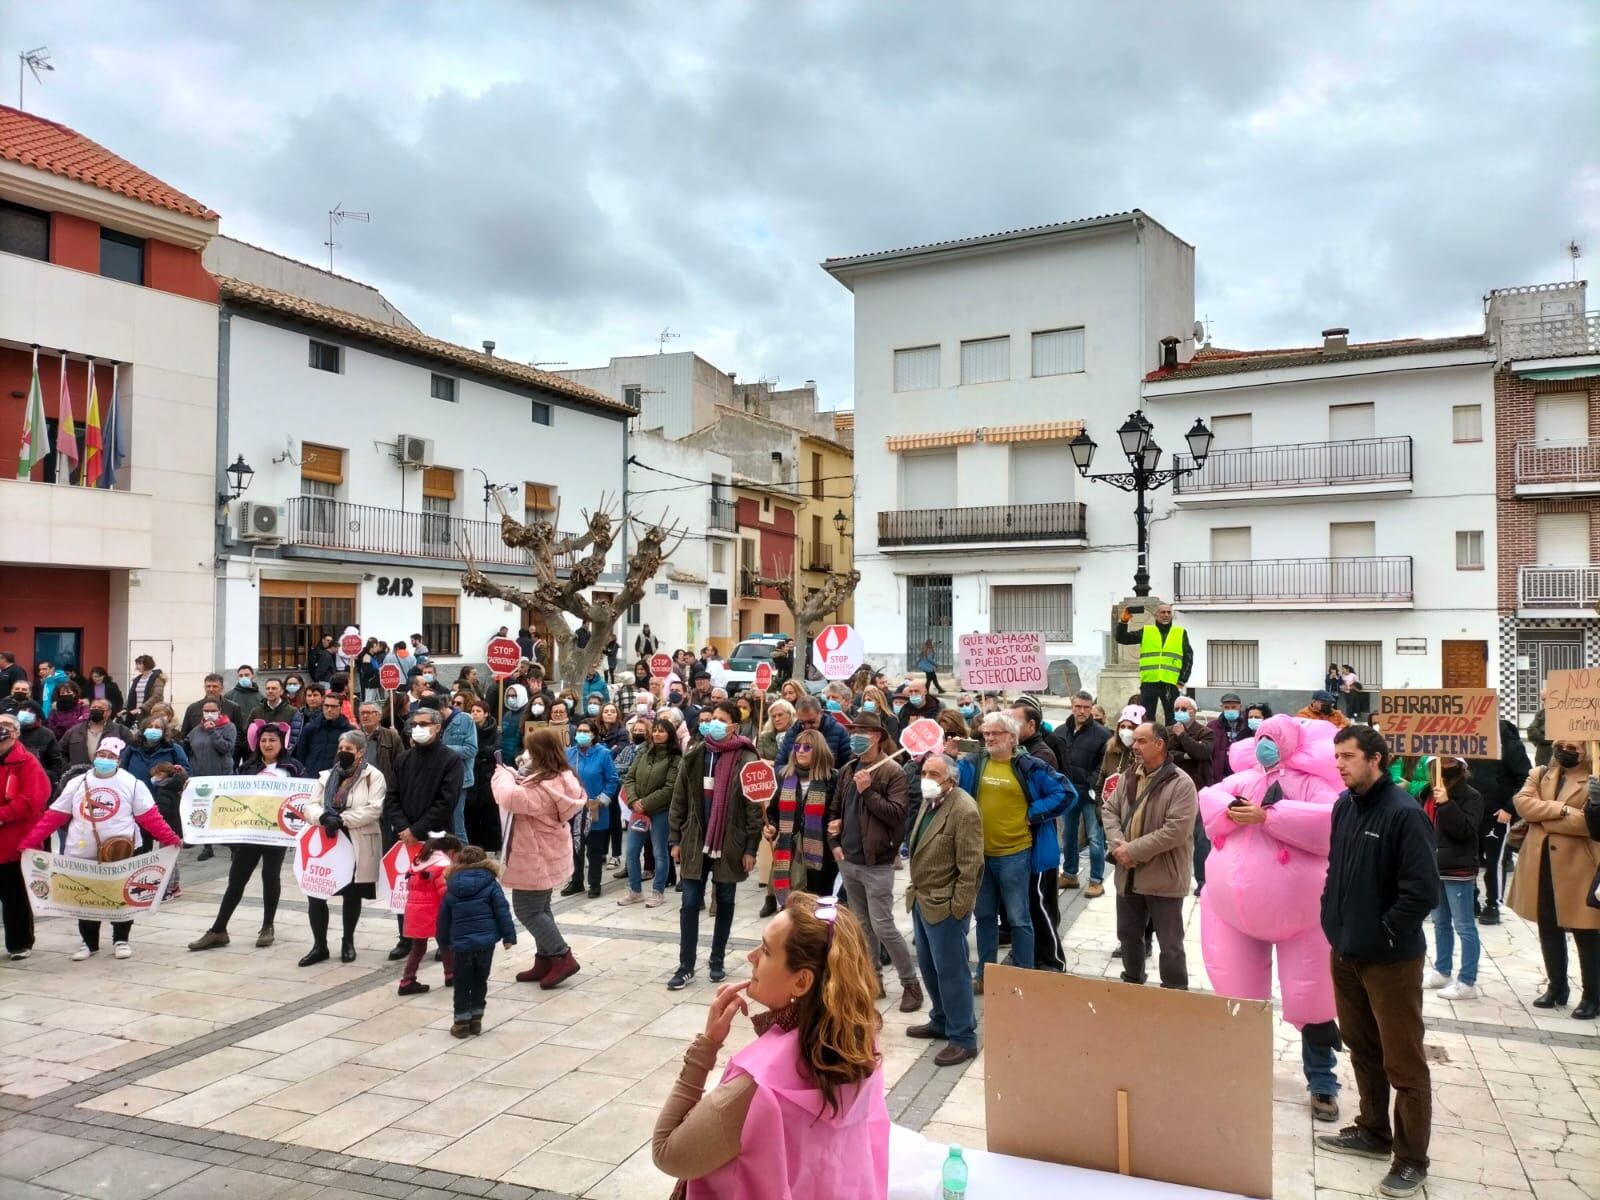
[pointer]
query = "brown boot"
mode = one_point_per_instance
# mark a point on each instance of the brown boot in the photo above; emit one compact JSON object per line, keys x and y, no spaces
{"x":540,"y":968}
{"x":561,"y":969}
{"x":910,"y":996}
{"x":953,"y":1055}
{"x":475,"y":1026}
{"x":461,"y":1029}
{"x":209,"y":939}
{"x":1069,"y":881}
{"x":264,"y":938}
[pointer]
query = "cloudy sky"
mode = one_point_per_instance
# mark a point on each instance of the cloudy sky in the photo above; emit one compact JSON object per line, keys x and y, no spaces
{"x":570,"y":178}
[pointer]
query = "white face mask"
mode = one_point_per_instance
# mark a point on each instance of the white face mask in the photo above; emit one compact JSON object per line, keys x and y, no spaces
{"x":537,"y":710}
{"x":1126,"y":735}
{"x":422,"y":734}
{"x":930,"y":789}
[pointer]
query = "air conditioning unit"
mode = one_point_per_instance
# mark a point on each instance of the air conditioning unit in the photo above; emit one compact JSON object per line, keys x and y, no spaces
{"x":415,"y":451}
{"x":260,"y":523}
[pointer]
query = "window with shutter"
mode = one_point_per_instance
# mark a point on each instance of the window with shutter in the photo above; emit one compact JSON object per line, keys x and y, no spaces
{"x":440,"y":483}
{"x":1057,"y":352}
{"x":986,"y":360}
{"x":916,"y":368}
{"x":322,"y":463}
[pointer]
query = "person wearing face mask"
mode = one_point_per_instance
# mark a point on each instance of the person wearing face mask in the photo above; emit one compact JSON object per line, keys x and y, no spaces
{"x":24,"y":792}
{"x":460,"y":736}
{"x":648,"y":786}
{"x":294,"y":688}
{"x":347,"y":800}
{"x":1118,"y":757}
{"x":17,"y":697}
{"x":38,"y":740}
{"x":1269,"y":823}
{"x":1456,"y":810}
{"x":1190,"y":750}
{"x":514,"y":724}
{"x":69,"y":709}
{"x":919,"y":703}
{"x":428,"y":784}
{"x":98,"y":806}
{"x":1324,"y":707}
{"x":1255,"y":716}
{"x":808,"y":714}
{"x":873,"y":700}
{"x":592,"y":763}
{"x":161,"y":764}
{"x":595,"y":689}
{"x":212,"y":691}
{"x":1227,"y":727}
{"x":245,"y":692}
{"x":1555,"y":872}
{"x":712,"y":833}
{"x":78,"y":746}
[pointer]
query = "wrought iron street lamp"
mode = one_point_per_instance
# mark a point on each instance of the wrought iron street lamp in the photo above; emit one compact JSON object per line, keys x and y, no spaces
{"x":240,"y":476}
{"x":1143,"y":453}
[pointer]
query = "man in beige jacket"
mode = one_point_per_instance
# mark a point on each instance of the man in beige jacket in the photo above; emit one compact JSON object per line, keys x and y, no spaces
{"x":1149,"y":821}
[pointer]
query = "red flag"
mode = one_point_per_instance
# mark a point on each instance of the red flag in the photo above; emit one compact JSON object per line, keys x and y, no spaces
{"x":66,"y":430}
{"x":93,"y":448}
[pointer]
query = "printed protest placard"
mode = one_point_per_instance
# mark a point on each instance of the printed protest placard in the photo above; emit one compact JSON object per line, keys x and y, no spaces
{"x":759,"y":781}
{"x":1572,"y":706}
{"x":838,"y":651}
{"x":60,"y":886}
{"x":393,"y":883}
{"x":921,"y":736}
{"x":1450,"y":722}
{"x":991,"y":662}
{"x":323,"y":864}
{"x":255,"y":810}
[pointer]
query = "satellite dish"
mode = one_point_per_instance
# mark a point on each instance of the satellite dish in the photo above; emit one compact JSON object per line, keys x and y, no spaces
{"x":1199,"y":334}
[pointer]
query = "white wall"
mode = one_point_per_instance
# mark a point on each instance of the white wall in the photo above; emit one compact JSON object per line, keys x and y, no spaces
{"x":678,"y":391}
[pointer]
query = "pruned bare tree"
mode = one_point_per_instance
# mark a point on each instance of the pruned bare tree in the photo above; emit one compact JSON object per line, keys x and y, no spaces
{"x":807,"y":610}
{"x":554,"y":597}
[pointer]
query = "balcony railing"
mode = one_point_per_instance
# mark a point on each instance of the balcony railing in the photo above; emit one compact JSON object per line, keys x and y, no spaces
{"x":365,"y":529}
{"x":724,"y":516}
{"x":1558,"y":462}
{"x":749,"y":589}
{"x":1558,"y":587}
{"x":1566,"y":336}
{"x":1382,"y":580}
{"x":819,"y":556}
{"x":1308,"y":464}
{"x":1055,"y":522}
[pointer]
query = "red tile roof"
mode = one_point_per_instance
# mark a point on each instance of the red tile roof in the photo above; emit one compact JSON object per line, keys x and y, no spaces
{"x":34,"y":142}
{"x":1217,"y":361}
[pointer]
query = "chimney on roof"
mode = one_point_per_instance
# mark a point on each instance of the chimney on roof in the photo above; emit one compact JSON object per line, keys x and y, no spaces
{"x":1335,"y":339}
{"x":1169,"y":353}
{"x":488,"y":347}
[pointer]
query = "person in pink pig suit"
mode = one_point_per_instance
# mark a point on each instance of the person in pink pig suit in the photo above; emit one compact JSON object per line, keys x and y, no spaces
{"x":1269,"y":824}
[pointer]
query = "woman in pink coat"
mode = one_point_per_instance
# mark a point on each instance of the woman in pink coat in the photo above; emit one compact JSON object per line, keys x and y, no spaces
{"x":1269,"y":825}
{"x":537,"y":801}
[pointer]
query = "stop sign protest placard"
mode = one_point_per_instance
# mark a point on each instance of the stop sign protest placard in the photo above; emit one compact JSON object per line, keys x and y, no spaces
{"x":350,"y":644}
{"x":759,"y":781}
{"x":763,"y":677}
{"x":389,"y":677}
{"x":838,"y":651}
{"x":921,"y":736}
{"x":660,"y":666}
{"x":502,"y":655}
{"x":393,"y":883}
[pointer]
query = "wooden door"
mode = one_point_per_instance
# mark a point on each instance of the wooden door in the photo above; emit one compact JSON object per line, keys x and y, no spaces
{"x":1465,"y":664}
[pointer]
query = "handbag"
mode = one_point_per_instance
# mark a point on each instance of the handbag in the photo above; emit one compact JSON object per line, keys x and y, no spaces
{"x":112,"y":849}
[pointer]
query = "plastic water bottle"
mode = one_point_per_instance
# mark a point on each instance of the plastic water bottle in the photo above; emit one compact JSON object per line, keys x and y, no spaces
{"x":954,"y":1177}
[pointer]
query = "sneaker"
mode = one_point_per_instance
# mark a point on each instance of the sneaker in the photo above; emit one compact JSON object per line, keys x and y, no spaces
{"x":19,"y":955}
{"x":717,"y":974}
{"x":620,"y":873}
{"x":1353,"y":1139}
{"x":122,"y":950}
{"x":410,"y":987}
{"x":630,"y":898}
{"x":1324,"y":1107}
{"x":1403,"y":1179}
{"x":1489,"y":916}
{"x":1094,"y":889}
{"x":1069,"y":881}
{"x":680,"y":979}
{"x":1435,"y":981}
{"x":1459,"y":991}
{"x":81,"y":953}
{"x":655,"y":900}
{"x":174,"y":892}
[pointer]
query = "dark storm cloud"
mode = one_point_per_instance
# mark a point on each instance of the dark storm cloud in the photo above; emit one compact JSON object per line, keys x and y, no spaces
{"x":569,"y":179}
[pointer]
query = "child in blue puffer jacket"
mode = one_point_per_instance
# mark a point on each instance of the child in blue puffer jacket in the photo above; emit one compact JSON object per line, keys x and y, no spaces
{"x":472,"y":918}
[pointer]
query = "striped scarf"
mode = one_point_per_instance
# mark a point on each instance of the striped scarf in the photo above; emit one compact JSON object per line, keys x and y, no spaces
{"x":813,"y":815}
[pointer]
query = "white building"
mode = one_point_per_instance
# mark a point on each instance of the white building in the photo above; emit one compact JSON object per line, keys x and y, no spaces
{"x":976,"y":361}
{"x":373,"y":448}
{"x":675,"y":393}
{"x":1346,"y":514}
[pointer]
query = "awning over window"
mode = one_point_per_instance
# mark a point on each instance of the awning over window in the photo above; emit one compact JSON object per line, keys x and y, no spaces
{"x":929,"y":441}
{"x":1044,"y":431}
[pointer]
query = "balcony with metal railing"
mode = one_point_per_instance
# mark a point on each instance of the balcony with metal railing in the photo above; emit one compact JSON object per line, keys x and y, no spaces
{"x":1573,"y":590}
{"x":818,"y":556}
{"x":749,"y":585}
{"x":724,"y":517}
{"x":1061,"y":522}
{"x":1558,"y":468}
{"x":1279,"y":583}
{"x":316,"y":525}
{"x":1354,"y":466}
{"x":1564,"y":335}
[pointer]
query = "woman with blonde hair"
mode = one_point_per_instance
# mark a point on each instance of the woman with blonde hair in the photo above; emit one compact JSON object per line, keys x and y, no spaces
{"x":792,"y":690}
{"x":797,"y":822}
{"x":780,"y":715}
{"x":800,"y":1112}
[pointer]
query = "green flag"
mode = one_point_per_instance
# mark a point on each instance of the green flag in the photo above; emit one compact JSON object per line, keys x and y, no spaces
{"x":35,"y":434}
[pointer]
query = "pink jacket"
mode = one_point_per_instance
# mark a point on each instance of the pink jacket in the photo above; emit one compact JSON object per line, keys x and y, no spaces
{"x":538,"y":841}
{"x":792,"y":1147}
{"x":424,"y":891}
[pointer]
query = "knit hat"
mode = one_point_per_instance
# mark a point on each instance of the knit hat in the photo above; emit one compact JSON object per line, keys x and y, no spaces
{"x":111,"y":745}
{"x":1133,"y":713}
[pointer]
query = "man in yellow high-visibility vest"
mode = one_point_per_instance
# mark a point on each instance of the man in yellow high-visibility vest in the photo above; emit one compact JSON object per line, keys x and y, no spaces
{"x":1165,"y":659}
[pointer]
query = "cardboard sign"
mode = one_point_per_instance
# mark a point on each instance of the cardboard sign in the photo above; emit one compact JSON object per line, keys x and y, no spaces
{"x":351,"y":644}
{"x":323,"y":865}
{"x":660,"y":666}
{"x":1152,"y":1049}
{"x":392,"y":882}
{"x":838,"y":652}
{"x":921,"y":736}
{"x":1109,"y":787}
{"x":502,"y":655}
{"x":1455,"y":723}
{"x":1572,"y":706}
{"x":252,"y":810}
{"x":992,"y":662}
{"x":759,"y":781}
{"x":763,"y":677}
{"x":61,"y":886}
{"x":390,"y":678}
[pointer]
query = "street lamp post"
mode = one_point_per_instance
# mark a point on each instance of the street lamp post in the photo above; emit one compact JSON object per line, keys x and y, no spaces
{"x":1144,"y":460}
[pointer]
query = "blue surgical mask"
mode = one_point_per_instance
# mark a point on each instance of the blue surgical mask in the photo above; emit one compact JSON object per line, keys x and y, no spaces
{"x":293,"y":689}
{"x":247,"y":681}
{"x":835,"y":706}
{"x":869,"y":706}
{"x":969,"y":710}
{"x":1254,"y":723}
{"x":899,"y":707}
{"x":152,"y":736}
{"x":859,"y":743}
{"x":1266,"y":753}
{"x":1230,"y":714}
{"x":583,"y":739}
{"x":426,"y":677}
{"x":1182,"y":716}
{"x":914,"y":700}
{"x":715,"y":730}
{"x":105,"y":767}
{"x":593,"y":710}
{"x":26,"y":718}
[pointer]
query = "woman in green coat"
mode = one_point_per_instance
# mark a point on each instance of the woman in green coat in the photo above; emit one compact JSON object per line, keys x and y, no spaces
{"x":648,"y":787}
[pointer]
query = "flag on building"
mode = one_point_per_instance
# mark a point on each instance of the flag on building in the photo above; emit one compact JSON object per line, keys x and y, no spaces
{"x":93,"y":457}
{"x":35,"y":433}
{"x":115,"y":436}
{"x":66,"y":430}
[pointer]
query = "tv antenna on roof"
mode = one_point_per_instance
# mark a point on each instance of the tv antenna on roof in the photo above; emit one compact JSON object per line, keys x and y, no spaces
{"x":1574,"y":252}
{"x":337,"y":216}
{"x":666,"y":336}
{"x":35,"y":60}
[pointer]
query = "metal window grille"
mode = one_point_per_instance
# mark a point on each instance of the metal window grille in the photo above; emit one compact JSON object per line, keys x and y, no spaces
{"x":1233,"y":664}
{"x":443,"y":388}
{"x":1044,"y":608}
{"x":324,"y":357}
{"x":1365,"y":657}
{"x":928,"y":615}
{"x":440,"y":632}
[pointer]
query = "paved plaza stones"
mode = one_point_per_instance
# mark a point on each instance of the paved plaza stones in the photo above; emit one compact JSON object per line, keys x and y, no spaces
{"x":234,"y":1073}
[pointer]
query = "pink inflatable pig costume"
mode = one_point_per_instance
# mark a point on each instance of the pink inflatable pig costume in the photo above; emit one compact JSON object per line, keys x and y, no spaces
{"x":1264,"y":882}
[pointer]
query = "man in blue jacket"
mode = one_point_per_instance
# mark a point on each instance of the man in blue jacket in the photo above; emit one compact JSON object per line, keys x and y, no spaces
{"x":808,"y":714}
{"x":461,"y":737}
{"x":1019,"y":798}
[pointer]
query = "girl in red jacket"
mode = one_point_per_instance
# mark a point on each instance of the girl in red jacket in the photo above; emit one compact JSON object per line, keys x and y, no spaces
{"x":424,"y":892}
{"x":24,"y":792}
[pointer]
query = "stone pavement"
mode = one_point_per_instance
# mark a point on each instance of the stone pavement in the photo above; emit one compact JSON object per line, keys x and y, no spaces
{"x":236,"y":1073}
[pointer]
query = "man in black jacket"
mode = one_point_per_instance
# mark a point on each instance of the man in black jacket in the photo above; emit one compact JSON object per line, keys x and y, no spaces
{"x":423,"y":801}
{"x":1080,"y":745}
{"x":324,"y":662}
{"x":319,"y":736}
{"x":1383,"y":882}
{"x":1497,"y":781}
